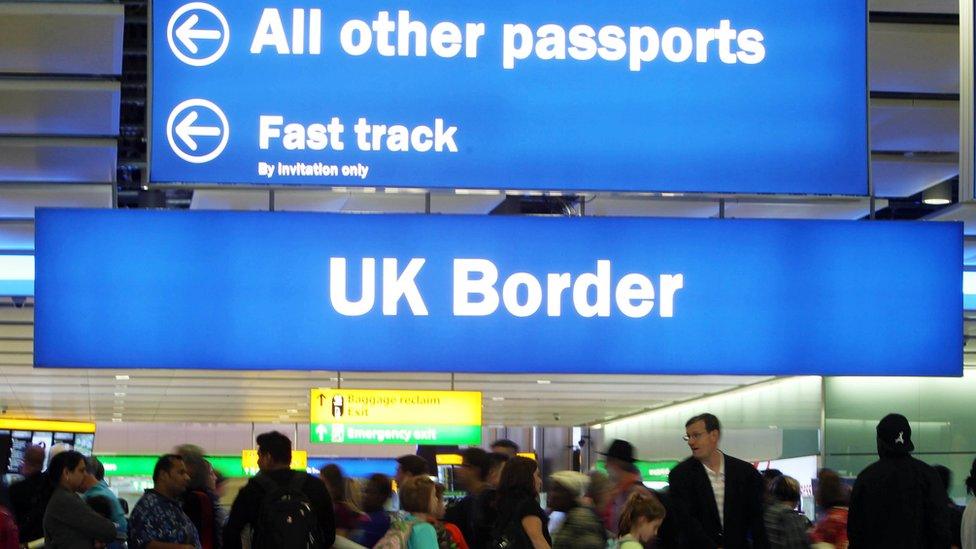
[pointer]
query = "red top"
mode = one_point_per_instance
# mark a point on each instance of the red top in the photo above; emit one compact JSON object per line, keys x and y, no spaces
{"x":832,"y":528}
{"x":8,"y":530}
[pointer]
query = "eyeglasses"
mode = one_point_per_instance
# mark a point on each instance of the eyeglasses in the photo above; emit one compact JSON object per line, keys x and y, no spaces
{"x":693,"y":436}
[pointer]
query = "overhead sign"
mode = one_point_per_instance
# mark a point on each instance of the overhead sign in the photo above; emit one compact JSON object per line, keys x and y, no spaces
{"x":430,"y":418}
{"x":735,"y":96}
{"x":412,"y":293}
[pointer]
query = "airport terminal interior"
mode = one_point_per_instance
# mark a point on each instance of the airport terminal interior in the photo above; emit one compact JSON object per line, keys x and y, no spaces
{"x":389,"y":230}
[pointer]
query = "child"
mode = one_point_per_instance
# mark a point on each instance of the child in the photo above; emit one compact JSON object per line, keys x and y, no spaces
{"x":639,"y":521}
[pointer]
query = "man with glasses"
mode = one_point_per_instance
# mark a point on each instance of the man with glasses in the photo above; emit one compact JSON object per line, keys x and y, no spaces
{"x":718,"y":498}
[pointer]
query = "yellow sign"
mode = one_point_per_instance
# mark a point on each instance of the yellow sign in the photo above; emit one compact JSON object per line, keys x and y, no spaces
{"x":47,"y":426}
{"x":369,"y":407}
{"x":249,"y":460}
{"x":448,"y":459}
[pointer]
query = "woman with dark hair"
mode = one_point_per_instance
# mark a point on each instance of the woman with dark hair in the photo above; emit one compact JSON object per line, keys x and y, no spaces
{"x":347,"y":517}
{"x":68,"y":522}
{"x":969,"y":515}
{"x":521,"y":521}
{"x":833,"y":497}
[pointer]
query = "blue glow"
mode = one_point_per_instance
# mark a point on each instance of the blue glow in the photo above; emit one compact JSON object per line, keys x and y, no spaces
{"x":795,"y":122}
{"x":16,"y":275}
{"x":357,"y":468}
{"x":248,"y":290}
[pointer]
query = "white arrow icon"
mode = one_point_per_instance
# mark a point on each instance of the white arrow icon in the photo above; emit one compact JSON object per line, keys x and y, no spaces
{"x":320,"y":431}
{"x":186,"y":34}
{"x":183,"y":38}
{"x":186,"y":131}
{"x":182,"y":131}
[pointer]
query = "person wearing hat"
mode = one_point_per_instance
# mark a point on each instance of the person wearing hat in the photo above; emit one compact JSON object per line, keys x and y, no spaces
{"x":626,"y":480}
{"x":582,"y":528}
{"x":897,"y":501}
{"x":717,"y":499}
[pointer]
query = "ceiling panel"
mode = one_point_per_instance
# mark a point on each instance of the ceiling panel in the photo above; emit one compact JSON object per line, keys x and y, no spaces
{"x":219,"y":396}
{"x":914,"y":58}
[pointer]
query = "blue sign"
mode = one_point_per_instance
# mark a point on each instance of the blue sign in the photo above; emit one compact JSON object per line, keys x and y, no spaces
{"x":726,"y":96}
{"x":233,"y":290}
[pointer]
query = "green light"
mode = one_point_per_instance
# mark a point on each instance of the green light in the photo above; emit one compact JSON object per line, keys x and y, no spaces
{"x":434,"y":435}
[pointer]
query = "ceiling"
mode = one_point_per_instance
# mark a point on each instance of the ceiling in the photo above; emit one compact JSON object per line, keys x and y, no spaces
{"x":266,"y":397}
{"x":914,"y":79}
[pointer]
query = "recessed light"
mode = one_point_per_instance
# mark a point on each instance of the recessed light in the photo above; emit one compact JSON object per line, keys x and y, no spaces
{"x":120,"y":394}
{"x":543,"y":381}
{"x":122,"y":377}
{"x":116,"y":420}
{"x":597,"y":427}
{"x":293,"y":411}
{"x":937,"y":201}
{"x":498,"y":399}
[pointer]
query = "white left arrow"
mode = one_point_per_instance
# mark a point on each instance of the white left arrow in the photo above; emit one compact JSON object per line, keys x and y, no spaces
{"x":186,"y":131}
{"x":186,"y":34}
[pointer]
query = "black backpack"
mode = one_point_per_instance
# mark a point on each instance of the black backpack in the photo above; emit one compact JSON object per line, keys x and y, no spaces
{"x":286,"y":517}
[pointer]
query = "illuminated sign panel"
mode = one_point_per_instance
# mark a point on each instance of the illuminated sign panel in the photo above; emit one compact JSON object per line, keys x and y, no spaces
{"x":440,"y":418}
{"x":413,"y":293}
{"x":733,"y":96}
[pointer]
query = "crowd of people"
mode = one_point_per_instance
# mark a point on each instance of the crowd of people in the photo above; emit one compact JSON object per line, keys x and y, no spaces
{"x":713,"y":500}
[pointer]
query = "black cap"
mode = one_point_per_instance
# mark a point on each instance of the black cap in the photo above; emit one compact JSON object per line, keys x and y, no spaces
{"x":895,"y":434}
{"x":414,"y":464}
{"x":620,"y":450}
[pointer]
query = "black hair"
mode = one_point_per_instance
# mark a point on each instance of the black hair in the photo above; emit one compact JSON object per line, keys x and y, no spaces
{"x":96,"y":468}
{"x":505,"y":443}
{"x":971,"y":480}
{"x":165,"y":464}
{"x":497,"y":459}
{"x":711,"y":422}
{"x":414,"y":464}
{"x":518,"y":479}
{"x":335,"y":481}
{"x":476,"y":457}
{"x":382,"y":483}
{"x":65,"y":461}
{"x":945,"y":475}
{"x":276,"y":445}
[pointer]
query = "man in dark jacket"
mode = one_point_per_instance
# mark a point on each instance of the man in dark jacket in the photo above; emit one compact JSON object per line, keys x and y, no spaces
{"x":274,"y":461}
{"x":898,"y":500}
{"x":28,"y":498}
{"x":717,"y":498}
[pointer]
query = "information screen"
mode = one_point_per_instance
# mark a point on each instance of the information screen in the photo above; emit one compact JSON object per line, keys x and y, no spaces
{"x":725,"y":96}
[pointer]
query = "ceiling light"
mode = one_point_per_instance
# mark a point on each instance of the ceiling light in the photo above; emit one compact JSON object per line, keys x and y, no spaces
{"x":120,"y":394}
{"x":337,"y":379}
{"x":938,"y":195}
{"x":292,"y":411}
{"x":498,"y":399}
{"x":122,"y":377}
{"x":597,"y":427}
{"x":116,"y":414}
{"x":285,"y":416}
{"x":116,"y":420}
{"x":543,"y":381}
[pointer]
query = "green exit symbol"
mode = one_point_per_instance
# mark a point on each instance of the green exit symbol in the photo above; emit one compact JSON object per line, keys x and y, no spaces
{"x":321,"y":431}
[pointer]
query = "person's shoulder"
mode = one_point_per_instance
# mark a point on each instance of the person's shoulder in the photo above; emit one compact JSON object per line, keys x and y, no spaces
{"x":732,"y":462}
{"x":686,"y":466}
